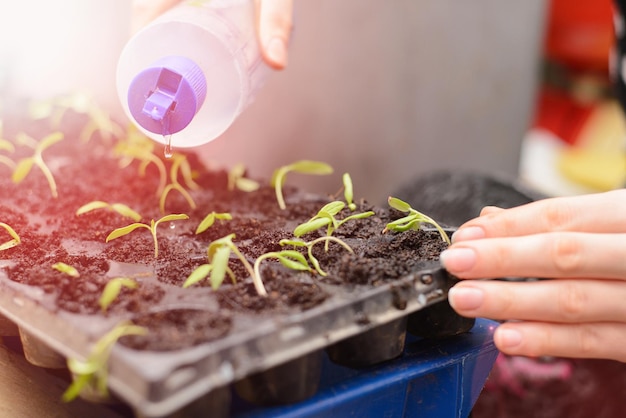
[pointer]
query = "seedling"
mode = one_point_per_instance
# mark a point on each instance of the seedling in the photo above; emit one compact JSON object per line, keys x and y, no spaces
{"x":289,"y":258}
{"x":66,"y":269}
{"x":303,"y":166}
{"x":81,"y":103}
{"x":413,"y":220}
{"x":24,"y":166}
{"x":348,"y":191}
{"x":237,"y":180}
{"x":179,"y":162}
{"x":326,"y":218}
{"x":112,"y":290}
{"x":120,"y":208}
{"x":210,"y":219}
{"x":217,"y":269}
{"x":100,"y":121}
{"x":309,"y":246}
{"x":138,"y":146}
{"x":218,"y":254}
{"x":91,"y":373}
{"x":119,"y":232}
{"x":15,"y":238}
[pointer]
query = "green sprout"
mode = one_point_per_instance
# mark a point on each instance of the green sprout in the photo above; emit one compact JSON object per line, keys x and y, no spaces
{"x":91,"y":373}
{"x":112,"y":290}
{"x":325,"y":217}
{"x":218,"y":254}
{"x":119,"y":232}
{"x":81,"y":103}
{"x":210,"y":219}
{"x":217,"y":269}
{"x":140,"y":147}
{"x":15,"y":238}
{"x":348,"y":191}
{"x":309,"y":246}
{"x":24,"y":166}
{"x":237,"y":180}
{"x":179,"y":163}
{"x":289,"y":258}
{"x":66,"y":269}
{"x":412,"y":221}
{"x":120,"y":208}
{"x":303,"y":166}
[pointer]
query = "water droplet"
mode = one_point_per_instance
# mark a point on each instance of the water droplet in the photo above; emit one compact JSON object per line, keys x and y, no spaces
{"x":168,"y":146}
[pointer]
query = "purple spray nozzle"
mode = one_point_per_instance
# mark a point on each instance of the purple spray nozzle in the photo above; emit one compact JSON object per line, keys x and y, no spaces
{"x":165,"y":97}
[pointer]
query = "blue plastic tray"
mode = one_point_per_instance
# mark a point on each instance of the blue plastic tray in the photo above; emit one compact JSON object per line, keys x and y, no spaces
{"x":434,"y":378}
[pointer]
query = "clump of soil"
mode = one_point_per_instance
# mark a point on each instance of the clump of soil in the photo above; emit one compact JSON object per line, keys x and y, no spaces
{"x":51,"y":232}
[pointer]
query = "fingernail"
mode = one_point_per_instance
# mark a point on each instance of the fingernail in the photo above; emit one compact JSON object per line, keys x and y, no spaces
{"x":277,"y":51}
{"x":458,"y":260}
{"x":468,"y":233}
{"x":465,"y":298}
{"x":508,"y":338}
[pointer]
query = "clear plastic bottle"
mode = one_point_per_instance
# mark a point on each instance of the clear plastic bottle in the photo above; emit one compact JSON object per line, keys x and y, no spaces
{"x":187,"y":75}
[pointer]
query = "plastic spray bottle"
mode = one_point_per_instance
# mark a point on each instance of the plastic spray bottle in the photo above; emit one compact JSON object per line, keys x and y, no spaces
{"x":192,"y":71}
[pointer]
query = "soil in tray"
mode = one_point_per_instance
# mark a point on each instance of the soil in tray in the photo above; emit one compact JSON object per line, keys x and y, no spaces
{"x":100,"y":170}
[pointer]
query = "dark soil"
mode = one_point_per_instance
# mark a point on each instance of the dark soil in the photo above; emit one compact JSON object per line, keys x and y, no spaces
{"x":51,"y":232}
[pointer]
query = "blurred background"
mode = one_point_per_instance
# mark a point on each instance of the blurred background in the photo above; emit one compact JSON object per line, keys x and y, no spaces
{"x":384,"y":93}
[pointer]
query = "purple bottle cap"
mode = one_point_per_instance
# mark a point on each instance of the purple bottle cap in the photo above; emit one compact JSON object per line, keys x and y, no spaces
{"x":165,"y":97}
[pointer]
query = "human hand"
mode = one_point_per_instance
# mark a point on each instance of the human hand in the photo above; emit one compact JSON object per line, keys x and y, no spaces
{"x":578,"y":242}
{"x":273,"y":24}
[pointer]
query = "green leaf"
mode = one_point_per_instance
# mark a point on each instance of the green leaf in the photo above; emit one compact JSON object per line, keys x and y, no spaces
{"x":220,"y":265}
{"x":294,"y":242}
{"x":348,"y":191}
{"x":316,"y":264}
{"x":50,"y":140}
{"x":292,"y":259}
{"x":172,"y":217}
{"x":200,"y":273}
{"x":303,"y":166}
{"x":6,"y":145}
{"x":247,"y":185}
{"x":333,"y":208}
{"x":398,"y":204}
{"x":92,"y":372}
{"x":210,"y":219}
{"x":362,"y":215}
{"x":235,"y":173}
{"x":80,"y":382}
{"x":15,"y":237}
{"x":310,"y":226}
{"x":126,"y":211}
{"x":218,"y":243}
{"x":88,"y":207}
{"x":119,"y":232}
{"x":405,"y":224}
{"x":22,"y":169}
{"x":66,"y":268}
{"x":310,"y":167}
{"x":112,"y":290}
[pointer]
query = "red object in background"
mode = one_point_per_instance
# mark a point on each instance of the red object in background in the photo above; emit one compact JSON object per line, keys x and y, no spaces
{"x":580,"y":33}
{"x":558,"y":113}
